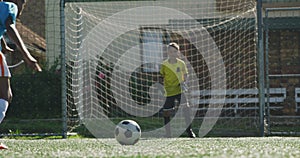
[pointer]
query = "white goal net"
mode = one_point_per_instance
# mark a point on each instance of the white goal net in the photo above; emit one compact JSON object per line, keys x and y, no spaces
{"x":114,"y":51}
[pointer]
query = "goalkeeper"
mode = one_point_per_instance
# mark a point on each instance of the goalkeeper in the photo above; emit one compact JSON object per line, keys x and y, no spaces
{"x":174,"y":73}
{"x":9,"y":11}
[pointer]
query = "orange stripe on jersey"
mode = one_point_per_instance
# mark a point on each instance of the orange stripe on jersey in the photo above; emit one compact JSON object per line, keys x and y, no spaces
{"x":1,"y":65}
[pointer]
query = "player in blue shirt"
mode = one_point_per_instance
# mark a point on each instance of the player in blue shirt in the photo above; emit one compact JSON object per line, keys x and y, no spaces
{"x":9,"y":11}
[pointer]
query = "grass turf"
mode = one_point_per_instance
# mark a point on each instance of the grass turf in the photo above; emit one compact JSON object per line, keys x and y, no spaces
{"x":154,"y":147}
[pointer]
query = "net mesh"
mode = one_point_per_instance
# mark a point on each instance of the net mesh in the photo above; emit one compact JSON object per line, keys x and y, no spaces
{"x":114,"y":51}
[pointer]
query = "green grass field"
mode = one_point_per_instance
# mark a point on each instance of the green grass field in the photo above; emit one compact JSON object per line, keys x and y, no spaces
{"x":172,"y":147}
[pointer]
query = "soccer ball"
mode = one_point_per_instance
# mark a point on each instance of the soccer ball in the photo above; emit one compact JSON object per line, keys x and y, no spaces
{"x":127,"y":132}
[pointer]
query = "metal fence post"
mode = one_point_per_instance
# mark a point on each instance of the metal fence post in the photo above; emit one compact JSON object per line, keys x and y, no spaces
{"x":261,"y":73}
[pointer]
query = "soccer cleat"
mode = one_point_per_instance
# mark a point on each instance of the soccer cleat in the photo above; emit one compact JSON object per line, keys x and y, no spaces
{"x":2,"y":146}
{"x":190,"y":133}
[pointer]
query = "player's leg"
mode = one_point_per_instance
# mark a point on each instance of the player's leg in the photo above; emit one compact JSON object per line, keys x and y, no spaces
{"x":168,"y":109}
{"x":187,"y":112}
{"x":5,"y":90}
{"x":5,"y":96}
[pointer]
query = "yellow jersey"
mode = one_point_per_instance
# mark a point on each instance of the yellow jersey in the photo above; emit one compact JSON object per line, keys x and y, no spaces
{"x":173,"y":75}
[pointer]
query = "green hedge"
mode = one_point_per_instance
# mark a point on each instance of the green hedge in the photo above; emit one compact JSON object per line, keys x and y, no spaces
{"x":36,"y":95}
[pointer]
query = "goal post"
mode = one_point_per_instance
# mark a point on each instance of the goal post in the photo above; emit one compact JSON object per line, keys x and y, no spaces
{"x":113,"y":55}
{"x":261,"y":72}
{"x":63,"y":71}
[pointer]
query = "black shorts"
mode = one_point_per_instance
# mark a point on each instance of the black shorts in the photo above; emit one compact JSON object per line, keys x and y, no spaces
{"x":174,"y":100}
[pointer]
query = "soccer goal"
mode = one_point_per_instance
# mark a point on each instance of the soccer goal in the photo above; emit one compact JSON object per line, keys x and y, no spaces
{"x":114,"y":50}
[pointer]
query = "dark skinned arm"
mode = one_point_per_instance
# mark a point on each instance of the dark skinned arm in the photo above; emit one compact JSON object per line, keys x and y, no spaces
{"x":14,"y":35}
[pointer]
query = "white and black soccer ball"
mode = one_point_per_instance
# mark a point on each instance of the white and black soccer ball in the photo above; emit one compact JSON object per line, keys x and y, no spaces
{"x":127,"y":132}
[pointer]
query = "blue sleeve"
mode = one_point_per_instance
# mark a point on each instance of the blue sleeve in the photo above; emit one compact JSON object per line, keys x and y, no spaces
{"x":8,"y":9}
{"x":13,"y":12}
